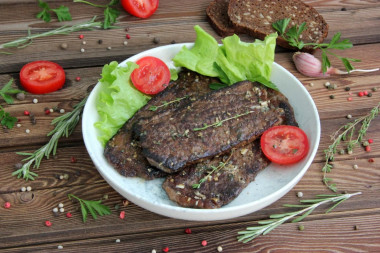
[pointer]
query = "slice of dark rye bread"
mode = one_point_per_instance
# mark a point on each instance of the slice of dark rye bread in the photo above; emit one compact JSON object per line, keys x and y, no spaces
{"x":255,"y":17}
{"x":218,"y":17}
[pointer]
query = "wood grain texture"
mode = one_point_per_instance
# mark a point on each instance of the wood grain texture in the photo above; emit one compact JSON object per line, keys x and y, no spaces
{"x":22,"y":227}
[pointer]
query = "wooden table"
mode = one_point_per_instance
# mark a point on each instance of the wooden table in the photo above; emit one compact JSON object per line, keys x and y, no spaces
{"x":352,"y":227}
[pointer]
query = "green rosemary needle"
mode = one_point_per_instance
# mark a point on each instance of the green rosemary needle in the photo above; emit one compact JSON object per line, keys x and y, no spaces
{"x":164,"y":103}
{"x":219,"y":123}
{"x":346,"y":133}
{"x":66,"y":29}
{"x":64,"y":126}
{"x":277,"y":219}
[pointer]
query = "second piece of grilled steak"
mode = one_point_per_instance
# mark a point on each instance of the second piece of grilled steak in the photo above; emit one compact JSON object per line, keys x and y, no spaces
{"x":233,"y":171}
{"x":211,"y":125}
{"x":124,"y":153}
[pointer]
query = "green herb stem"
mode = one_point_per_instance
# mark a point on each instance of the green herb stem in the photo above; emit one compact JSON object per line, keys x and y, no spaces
{"x":277,"y":219}
{"x":164,"y":103}
{"x":92,"y":206}
{"x":347,"y":135}
{"x":64,"y":126}
{"x":66,"y":29}
{"x":219,"y":123}
{"x":89,"y":3}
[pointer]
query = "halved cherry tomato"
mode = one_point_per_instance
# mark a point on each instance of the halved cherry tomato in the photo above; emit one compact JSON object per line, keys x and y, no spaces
{"x":152,"y":76}
{"x":284,"y":144}
{"x":41,"y":77}
{"x":140,"y":8}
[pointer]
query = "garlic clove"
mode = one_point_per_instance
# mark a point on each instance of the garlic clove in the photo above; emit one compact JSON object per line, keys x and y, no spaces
{"x":308,"y":65}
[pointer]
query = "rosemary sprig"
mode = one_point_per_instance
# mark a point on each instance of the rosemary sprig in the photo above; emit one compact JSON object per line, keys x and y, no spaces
{"x":346,"y":133}
{"x":292,"y":36}
{"x":164,"y":103}
{"x":277,"y":219}
{"x":64,"y":126}
{"x":214,"y":169}
{"x":220,"y":123}
{"x":91,"y":206}
{"x":66,"y":29}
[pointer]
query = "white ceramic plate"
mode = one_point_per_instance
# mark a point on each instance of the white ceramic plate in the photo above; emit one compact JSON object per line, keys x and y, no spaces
{"x":270,"y":185}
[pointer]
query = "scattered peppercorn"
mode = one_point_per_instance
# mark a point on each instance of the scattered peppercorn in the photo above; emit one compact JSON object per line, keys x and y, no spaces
{"x":370,"y":140}
{"x":82,"y":50}
{"x":122,"y":215}
{"x":48,"y":223}
{"x":125,"y":42}
{"x":343,"y":9}
{"x":219,"y":249}
{"x":26,"y":113}
{"x":64,"y":46}
{"x":47,"y":111}
{"x":374,"y":89}
{"x":73,"y":159}
{"x":60,"y":205}
{"x":126,"y":29}
{"x":349,"y":99}
{"x":117,"y":240}
{"x":77,"y":78}
{"x":55,"y":210}
{"x":62,"y":111}
{"x":156,"y":40}
{"x":20,"y":96}
{"x":60,"y":247}
{"x":204,"y":243}
{"x":105,"y":196}
{"x":347,"y":89}
{"x":117,"y":206}
{"x":125,"y":202}
{"x":365,"y":93}
{"x":66,"y":176}
{"x":371,"y":160}
{"x":27,"y":131}
{"x":369,"y":94}
{"x":332,"y":96}
{"x":327,"y":84}
{"x":350,"y":152}
{"x":365,"y":143}
{"x":349,"y":116}
{"x":18,"y":125}
{"x":300,"y":194}
{"x":368,"y":149}
{"x":154,"y":251}
{"x":7,"y":205}
{"x":301,"y":227}
{"x":356,"y":227}
{"x":128,"y":36}
{"x":356,"y":166}
{"x":188,"y":231}
{"x":100,"y":42}
{"x":342,"y":152}
{"x":81,"y":36}
{"x":23,"y":189}
{"x":166,"y":249}
{"x":84,"y":42}
{"x":361,"y":93}
{"x":29,"y":188}
{"x":173,"y":42}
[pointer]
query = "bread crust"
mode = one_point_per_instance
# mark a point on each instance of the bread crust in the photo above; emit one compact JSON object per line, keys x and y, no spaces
{"x":255,"y":17}
{"x":218,"y":17}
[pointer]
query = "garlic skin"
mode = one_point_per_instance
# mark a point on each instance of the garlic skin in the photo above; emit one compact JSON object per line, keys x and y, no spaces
{"x":308,"y":65}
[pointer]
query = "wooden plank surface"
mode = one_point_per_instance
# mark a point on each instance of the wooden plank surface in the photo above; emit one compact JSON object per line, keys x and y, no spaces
{"x":22,"y":227}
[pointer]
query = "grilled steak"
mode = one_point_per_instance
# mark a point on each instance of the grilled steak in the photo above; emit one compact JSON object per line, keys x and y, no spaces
{"x":211,"y":125}
{"x":233,"y":172}
{"x":124,"y":153}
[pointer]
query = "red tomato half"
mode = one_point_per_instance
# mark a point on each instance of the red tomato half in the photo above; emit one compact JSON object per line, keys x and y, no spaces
{"x":152,"y":76}
{"x":284,"y":144}
{"x":140,"y":8}
{"x":41,"y":77}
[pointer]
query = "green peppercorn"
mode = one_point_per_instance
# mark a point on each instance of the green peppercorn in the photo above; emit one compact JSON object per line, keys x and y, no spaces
{"x":332,"y":96}
{"x":365,"y":143}
{"x":369,"y":94}
{"x":301,"y":227}
{"x":374,"y":89}
{"x":347,"y":89}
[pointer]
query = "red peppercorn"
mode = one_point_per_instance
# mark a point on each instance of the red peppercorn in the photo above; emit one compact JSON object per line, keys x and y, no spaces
{"x":365,"y":93}
{"x":47,"y":111}
{"x":204,"y":243}
{"x":361,"y":93}
{"x":370,"y":140}
{"x":77,"y":78}
{"x":368,"y":149}
{"x":73,"y":159}
{"x":81,"y":36}
{"x":166,"y":249}
{"x":122,"y":215}
{"x":7,"y":205}
{"x":371,"y":160}
{"x":349,"y":99}
{"x":128,"y":36}
{"x":188,"y":231}
{"x":69,"y":215}
{"x":26,"y":113}
{"x":48,"y":223}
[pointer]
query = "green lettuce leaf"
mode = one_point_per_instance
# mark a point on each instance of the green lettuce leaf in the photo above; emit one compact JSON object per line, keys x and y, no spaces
{"x":231,"y":62}
{"x":117,"y":100}
{"x":201,"y":57}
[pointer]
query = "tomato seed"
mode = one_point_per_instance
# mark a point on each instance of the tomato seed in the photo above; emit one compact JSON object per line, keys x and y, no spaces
{"x":7,"y":205}
{"x":122,"y":215}
{"x":204,"y":243}
{"x":188,"y":231}
{"x":48,"y":223}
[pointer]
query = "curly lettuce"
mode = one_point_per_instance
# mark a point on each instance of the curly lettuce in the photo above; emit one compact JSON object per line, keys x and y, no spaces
{"x":117,"y":100}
